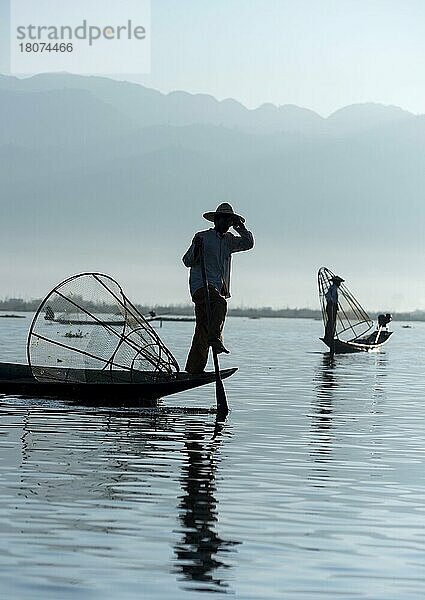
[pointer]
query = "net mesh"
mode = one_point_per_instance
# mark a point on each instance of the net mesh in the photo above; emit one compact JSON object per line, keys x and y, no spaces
{"x":352,"y":321}
{"x":86,"y":330}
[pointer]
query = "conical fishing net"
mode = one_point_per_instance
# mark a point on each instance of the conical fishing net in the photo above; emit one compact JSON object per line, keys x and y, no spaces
{"x":86,"y":330}
{"x":352,"y":321}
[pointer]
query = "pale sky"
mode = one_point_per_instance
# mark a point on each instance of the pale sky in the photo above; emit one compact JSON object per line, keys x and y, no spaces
{"x":320,"y":54}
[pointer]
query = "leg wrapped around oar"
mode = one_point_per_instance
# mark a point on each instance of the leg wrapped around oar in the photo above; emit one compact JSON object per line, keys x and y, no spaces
{"x":206,"y":334}
{"x":222,"y":407}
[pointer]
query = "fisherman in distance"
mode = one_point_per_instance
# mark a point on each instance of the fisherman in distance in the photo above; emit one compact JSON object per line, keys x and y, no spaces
{"x":218,"y":245}
{"x":332,"y":308}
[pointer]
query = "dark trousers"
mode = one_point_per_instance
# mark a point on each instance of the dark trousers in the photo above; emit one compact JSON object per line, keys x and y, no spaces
{"x":198,"y":353}
{"x":331,"y":312}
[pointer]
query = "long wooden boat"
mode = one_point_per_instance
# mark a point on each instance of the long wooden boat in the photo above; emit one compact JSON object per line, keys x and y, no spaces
{"x":171,"y":318}
{"x":106,"y":386}
{"x":117,"y":323}
{"x":105,"y":363}
{"x":367,"y":344}
{"x":120,"y":323}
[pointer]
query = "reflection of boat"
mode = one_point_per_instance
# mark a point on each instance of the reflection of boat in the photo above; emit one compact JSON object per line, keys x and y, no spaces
{"x":110,"y":386}
{"x":353,"y":326}
{"x":129,"y":362}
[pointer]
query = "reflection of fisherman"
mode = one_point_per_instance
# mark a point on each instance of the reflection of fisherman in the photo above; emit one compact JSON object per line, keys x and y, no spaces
{"x":200,"y":551}
{"x":332,"y":308}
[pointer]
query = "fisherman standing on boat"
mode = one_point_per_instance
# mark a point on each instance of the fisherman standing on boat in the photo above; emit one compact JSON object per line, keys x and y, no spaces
{"x":332,"y":308}
{"x":218,"y":245}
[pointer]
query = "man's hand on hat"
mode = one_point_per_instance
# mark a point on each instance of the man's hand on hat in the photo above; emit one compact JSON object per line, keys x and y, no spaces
{"x":238,"y":224}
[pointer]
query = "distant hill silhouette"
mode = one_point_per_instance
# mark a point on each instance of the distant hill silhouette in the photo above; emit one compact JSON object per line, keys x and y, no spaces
{"x":148,"y":107}
{"x":103,"y":174}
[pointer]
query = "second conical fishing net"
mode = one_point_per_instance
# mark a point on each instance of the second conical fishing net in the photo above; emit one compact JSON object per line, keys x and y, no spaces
{"x":352,"y":320}
{"x":87,"y":331}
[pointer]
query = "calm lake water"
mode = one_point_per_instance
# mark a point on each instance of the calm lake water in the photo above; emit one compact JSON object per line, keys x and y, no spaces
{"x":313,"y":488}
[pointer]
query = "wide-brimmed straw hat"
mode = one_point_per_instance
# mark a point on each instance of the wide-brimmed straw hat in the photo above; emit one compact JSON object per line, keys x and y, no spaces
{"x":337,"y":279}
{"x":222,"y":209}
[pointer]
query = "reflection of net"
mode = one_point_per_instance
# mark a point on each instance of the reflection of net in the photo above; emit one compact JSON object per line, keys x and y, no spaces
{"x":352,"y":320}
{"x":86,"y":330}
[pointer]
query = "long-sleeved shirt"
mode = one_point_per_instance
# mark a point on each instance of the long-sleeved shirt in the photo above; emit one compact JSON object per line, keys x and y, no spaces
{"x":332,"y":294}
{"x":218,"y":250}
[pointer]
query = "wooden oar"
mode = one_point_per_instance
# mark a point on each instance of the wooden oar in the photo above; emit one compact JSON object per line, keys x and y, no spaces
{"x":378,"y":333}
{"x":334,"y":317}
{"x":220,"y":394}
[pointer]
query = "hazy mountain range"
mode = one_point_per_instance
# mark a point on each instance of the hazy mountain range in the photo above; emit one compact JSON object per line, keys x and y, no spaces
{"x":113,"y":176}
